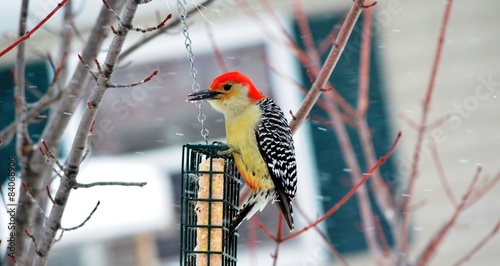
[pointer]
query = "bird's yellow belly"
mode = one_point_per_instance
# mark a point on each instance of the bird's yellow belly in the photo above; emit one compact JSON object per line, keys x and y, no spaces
{"x":247,"y":156}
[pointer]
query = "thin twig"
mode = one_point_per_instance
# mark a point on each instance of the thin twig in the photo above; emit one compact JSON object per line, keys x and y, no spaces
{"x":403,"y":235}
{"x":85,"y":221}
{"x":417,"y":206}
{"x":480,"y":192}
{"x":328,"y":66}
{"x":51,"y":155}
{"x":9,"y":131}
{"x":381,"y":192}
{"x":438,"y":122}
{"x":321,"y":103}
{"x":347,"y":148}
{"x":300,"y":55}
{"x":478,"y":246}
{"x":125,"y":184}
{"x":306,"y":34}
{"x":149,"y":29}
{"x":430,"y":126}
{"x":33,"y":200}
{"x":333,"y":251}
{"x":264,"y":228}
{"x":65,"y":43}
{"x":60,"y":237}
{"x":29,"y":33}
{"x":350,"y":158}
{"x":412,"y":123}
{"x":364,"y":65}
{"x":32,"y":237}
{"x":87,"y":67}
{"x":148,"y":78}
{"x":55,"y":79}
{"x":278,"y":240}
{"x":386,"y":251}
{"x":442,"y":175}
{"x":87,"y":151}
{"x":215,"y":49}
{"x":49,"y":194}
{"x":49,"y":162}
{"x":111,"y":10}
{"x":252,"y":242}
{"x":329,"y":40}
{"x":289,"y":42}
{"x":349,"y":194}
{"x":433,"y":245}
{"x":160,"y":32}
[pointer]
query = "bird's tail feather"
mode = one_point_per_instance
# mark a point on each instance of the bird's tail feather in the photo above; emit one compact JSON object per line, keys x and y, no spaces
{"x":285,"y":206}
{"x":257,"y":201}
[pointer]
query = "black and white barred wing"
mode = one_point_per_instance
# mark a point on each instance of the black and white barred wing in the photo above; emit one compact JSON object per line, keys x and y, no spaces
{"x":275,"y":142}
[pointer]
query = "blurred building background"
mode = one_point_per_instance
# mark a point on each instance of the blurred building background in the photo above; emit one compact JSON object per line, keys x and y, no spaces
{"x":139,"y":131}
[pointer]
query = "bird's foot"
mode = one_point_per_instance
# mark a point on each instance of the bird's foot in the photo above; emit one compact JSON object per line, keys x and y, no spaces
{"x":227,"y":152}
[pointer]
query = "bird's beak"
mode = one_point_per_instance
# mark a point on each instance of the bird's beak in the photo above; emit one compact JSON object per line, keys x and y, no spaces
{"x":203,"y":95}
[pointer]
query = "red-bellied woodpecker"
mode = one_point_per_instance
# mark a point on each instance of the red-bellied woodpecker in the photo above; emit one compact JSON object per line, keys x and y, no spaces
{"x":260,"y":141}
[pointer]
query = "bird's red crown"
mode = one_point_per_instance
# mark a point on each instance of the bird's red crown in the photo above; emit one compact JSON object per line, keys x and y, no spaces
{"x":237,"y":77}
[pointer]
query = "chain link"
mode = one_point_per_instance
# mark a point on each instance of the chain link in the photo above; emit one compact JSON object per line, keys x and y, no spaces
{"x":182,"y":13}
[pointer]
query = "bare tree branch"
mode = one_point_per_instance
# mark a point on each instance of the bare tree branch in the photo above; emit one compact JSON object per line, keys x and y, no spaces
{"x":479,"y":245}
{"x":78,"y":149}
{"x":330,"y":63}
{"x":94,"y":184}
{"x":403,"y":235}
{"x":23,"y":140}
{"x":27,"y":34}
{"x":85,"y":221}
{"x":159,"y":32}
{"x":431,"y":248}
{"x":351,"y":192}
{"x":148,"y":78}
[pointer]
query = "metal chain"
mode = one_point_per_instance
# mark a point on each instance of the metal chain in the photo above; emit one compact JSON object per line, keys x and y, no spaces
{"x":182,"y":13}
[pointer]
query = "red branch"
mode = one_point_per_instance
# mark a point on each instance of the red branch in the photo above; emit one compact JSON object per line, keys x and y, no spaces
{"x":92,"y":126}
{"x":479,"y":245}
{"x":420,"y":138}
{"x":442,"y":175}
{"x":41,"y":150}
{"x":364,"y":65}
{"x":28,"y":34}
{"x":383,"y":240}
{"x":264,"y":228}
{"x":330,"y":63}
{"x":151,"y":76}
{"x":278,"y":240}
{"x":432,"y":246}
{"x":252,"y":242}
{"x":49,"y":194}
{"x":370,"y":5}
{"x":215,"y":48}
{"x":27,"y":233}
{"x":349,"y":194}
{"x":98,"y":65}
{"x":333,"y":251}
{"x":480,"y":192}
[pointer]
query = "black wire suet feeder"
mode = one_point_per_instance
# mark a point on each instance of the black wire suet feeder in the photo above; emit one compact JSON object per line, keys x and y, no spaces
{"x":210,"y":190}
{"x":210,"y":195}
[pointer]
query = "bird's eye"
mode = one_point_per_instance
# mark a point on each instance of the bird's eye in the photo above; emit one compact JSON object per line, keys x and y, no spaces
{"x":227,"y":87}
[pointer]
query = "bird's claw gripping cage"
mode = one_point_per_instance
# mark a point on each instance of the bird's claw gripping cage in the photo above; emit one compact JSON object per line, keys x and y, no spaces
{"x":210,"y":195}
